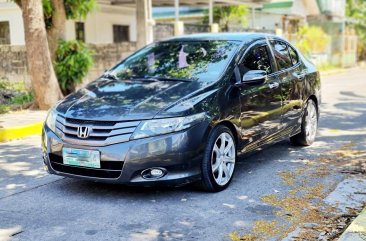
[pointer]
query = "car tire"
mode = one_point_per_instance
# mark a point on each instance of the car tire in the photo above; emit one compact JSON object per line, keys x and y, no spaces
{"x":218,"y":164}
{"x":309,"y":125}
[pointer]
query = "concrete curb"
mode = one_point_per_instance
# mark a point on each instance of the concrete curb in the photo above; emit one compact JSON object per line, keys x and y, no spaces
{"x":356,"y":231}
{"x":8,"y":134}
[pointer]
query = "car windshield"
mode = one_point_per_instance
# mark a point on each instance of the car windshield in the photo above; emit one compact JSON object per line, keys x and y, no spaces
{"x":177,"y":60}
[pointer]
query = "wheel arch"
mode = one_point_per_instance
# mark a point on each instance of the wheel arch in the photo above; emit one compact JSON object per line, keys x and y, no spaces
{"x":315,"y":99}
{"x":232,"y":128}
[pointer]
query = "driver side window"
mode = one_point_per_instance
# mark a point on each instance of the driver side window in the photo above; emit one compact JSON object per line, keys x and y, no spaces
{"x":256,"y":59}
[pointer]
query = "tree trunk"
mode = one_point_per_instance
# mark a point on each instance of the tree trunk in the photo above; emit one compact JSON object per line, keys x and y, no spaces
{"x":44,"y":81}
{"x":57,"y":30}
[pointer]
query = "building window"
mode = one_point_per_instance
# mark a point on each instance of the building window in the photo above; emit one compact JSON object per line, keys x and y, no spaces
{"x":4,"y":33}
{"x":121,"y":33}
{"x":80,"y":31}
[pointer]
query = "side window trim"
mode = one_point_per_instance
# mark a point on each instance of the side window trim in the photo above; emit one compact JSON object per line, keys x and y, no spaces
{"x":295,"y":51}
{"x":256,"y":44}
{"x":277,"y":70}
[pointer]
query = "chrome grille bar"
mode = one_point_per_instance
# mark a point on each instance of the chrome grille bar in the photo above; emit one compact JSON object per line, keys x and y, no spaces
{"x":102,"y":133}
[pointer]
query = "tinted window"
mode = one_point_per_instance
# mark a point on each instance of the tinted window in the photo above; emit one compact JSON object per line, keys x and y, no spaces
{"x":193,"y":60}
{"x":281,"y":54}
{"x":293,"y":54}
{"x":257,"y":59}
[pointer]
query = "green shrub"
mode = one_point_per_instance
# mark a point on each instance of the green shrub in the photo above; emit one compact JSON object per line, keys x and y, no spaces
{"x":312,"y":40}
{"x":14,"y":95}
{"x":73,"y":61}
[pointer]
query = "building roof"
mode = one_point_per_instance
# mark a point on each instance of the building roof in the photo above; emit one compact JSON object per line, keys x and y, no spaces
{"x":184,"y":12}
{"x":221,"y":36}
{"x":291,"y":7}
{"x":162,"y":3}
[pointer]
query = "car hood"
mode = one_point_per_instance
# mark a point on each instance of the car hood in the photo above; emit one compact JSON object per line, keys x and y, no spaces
{"x":108,"y":100}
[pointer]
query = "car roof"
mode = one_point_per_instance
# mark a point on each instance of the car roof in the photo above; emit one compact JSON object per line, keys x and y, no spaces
{"x":245,"y":36}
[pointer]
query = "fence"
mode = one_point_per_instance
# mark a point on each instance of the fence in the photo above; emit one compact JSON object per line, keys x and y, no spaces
{"x":13,"y":61}
{"x":163,"y":31}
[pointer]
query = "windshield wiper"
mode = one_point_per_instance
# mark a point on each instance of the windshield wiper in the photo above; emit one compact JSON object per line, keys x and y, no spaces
{"x":142,"y":78}
{"x":159,"y":78}
{"x":172,"y":79}
{"x":110,"y":76}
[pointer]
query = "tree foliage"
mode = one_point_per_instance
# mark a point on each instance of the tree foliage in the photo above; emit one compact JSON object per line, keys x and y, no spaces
{"x":356,"y":14}
{"x":74,"y":9}
{"x":227,"y":15}
{"x":73,"y":61}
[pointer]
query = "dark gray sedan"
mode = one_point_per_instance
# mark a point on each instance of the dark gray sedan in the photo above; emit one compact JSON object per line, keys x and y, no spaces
{"x":181,"y":110}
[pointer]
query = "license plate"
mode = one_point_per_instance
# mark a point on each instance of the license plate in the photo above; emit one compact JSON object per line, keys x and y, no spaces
{"x":79,"y":157}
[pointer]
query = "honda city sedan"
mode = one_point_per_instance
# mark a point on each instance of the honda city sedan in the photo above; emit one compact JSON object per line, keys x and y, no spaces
{"x":181,"y":110}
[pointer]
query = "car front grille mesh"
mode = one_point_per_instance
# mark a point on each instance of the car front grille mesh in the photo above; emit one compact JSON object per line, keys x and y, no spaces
{"x":101,"y":133}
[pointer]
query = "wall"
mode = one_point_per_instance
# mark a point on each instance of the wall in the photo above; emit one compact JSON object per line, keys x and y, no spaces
{"x":11,"y":12}
{"x":166,"y":30}
{"x":99,"y":24}
{"x":163,"y":30}
{"x":13,"y":64}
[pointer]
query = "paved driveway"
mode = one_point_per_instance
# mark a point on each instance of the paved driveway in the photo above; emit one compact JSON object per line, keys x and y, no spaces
{"x":37,"y":206}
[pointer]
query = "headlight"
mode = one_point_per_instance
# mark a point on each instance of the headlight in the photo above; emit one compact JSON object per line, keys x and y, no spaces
{"x":164,"y":126}
{"x":51,"y":119}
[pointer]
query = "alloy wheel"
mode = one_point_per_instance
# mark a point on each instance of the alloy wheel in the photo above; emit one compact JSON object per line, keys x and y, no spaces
{"x":311,"y":121}
{"x":223,"y":158}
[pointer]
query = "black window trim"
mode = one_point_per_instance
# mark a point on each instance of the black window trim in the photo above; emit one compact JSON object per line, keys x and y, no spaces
{"x":259,"y":43}
{"x":288,"y":49}
{"x":278,"y":71}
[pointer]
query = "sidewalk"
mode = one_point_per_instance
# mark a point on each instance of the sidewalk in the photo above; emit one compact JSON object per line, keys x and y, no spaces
{"x":20,"y":124}
{"x":356,"y":231}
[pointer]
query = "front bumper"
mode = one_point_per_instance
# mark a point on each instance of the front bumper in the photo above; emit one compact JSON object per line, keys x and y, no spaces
{"x":180,"y":154}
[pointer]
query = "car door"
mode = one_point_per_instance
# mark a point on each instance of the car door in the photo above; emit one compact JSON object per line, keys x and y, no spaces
{"x":260,"y":104}
{"x":291,"y":74}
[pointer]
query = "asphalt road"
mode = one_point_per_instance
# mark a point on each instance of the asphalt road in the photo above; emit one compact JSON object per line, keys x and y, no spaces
{"x":37,"y":206}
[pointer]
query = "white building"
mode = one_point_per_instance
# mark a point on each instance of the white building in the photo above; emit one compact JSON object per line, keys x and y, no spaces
{"x":113,"y":21}
{"x":107,"y":24}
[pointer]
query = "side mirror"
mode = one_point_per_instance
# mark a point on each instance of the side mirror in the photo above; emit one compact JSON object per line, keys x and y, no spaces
{"x":254,"y":77}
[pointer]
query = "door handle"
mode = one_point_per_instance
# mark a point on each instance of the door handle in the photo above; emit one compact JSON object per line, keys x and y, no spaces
{"x":273,"y":85}
{"x":300,"y":75}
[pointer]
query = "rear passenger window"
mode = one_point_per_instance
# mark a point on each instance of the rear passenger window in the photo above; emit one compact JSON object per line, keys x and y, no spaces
{"x":281,"y":54}
{"x":256,"y":59}
{"x":293,"y":55}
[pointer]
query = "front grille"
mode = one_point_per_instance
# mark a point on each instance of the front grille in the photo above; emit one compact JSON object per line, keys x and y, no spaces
{"x":102,"y":132}
{"x":108,"y":169}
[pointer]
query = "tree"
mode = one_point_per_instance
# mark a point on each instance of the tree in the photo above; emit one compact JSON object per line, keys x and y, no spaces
{"x":47,"y":18}
{"x":44,"y":81}
{"x":356,"y":14}
{"x":56,"y":12}
{"x":229,"y":15}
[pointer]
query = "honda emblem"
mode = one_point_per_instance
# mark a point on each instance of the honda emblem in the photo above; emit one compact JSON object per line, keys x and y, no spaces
{"x":84,"y":131}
